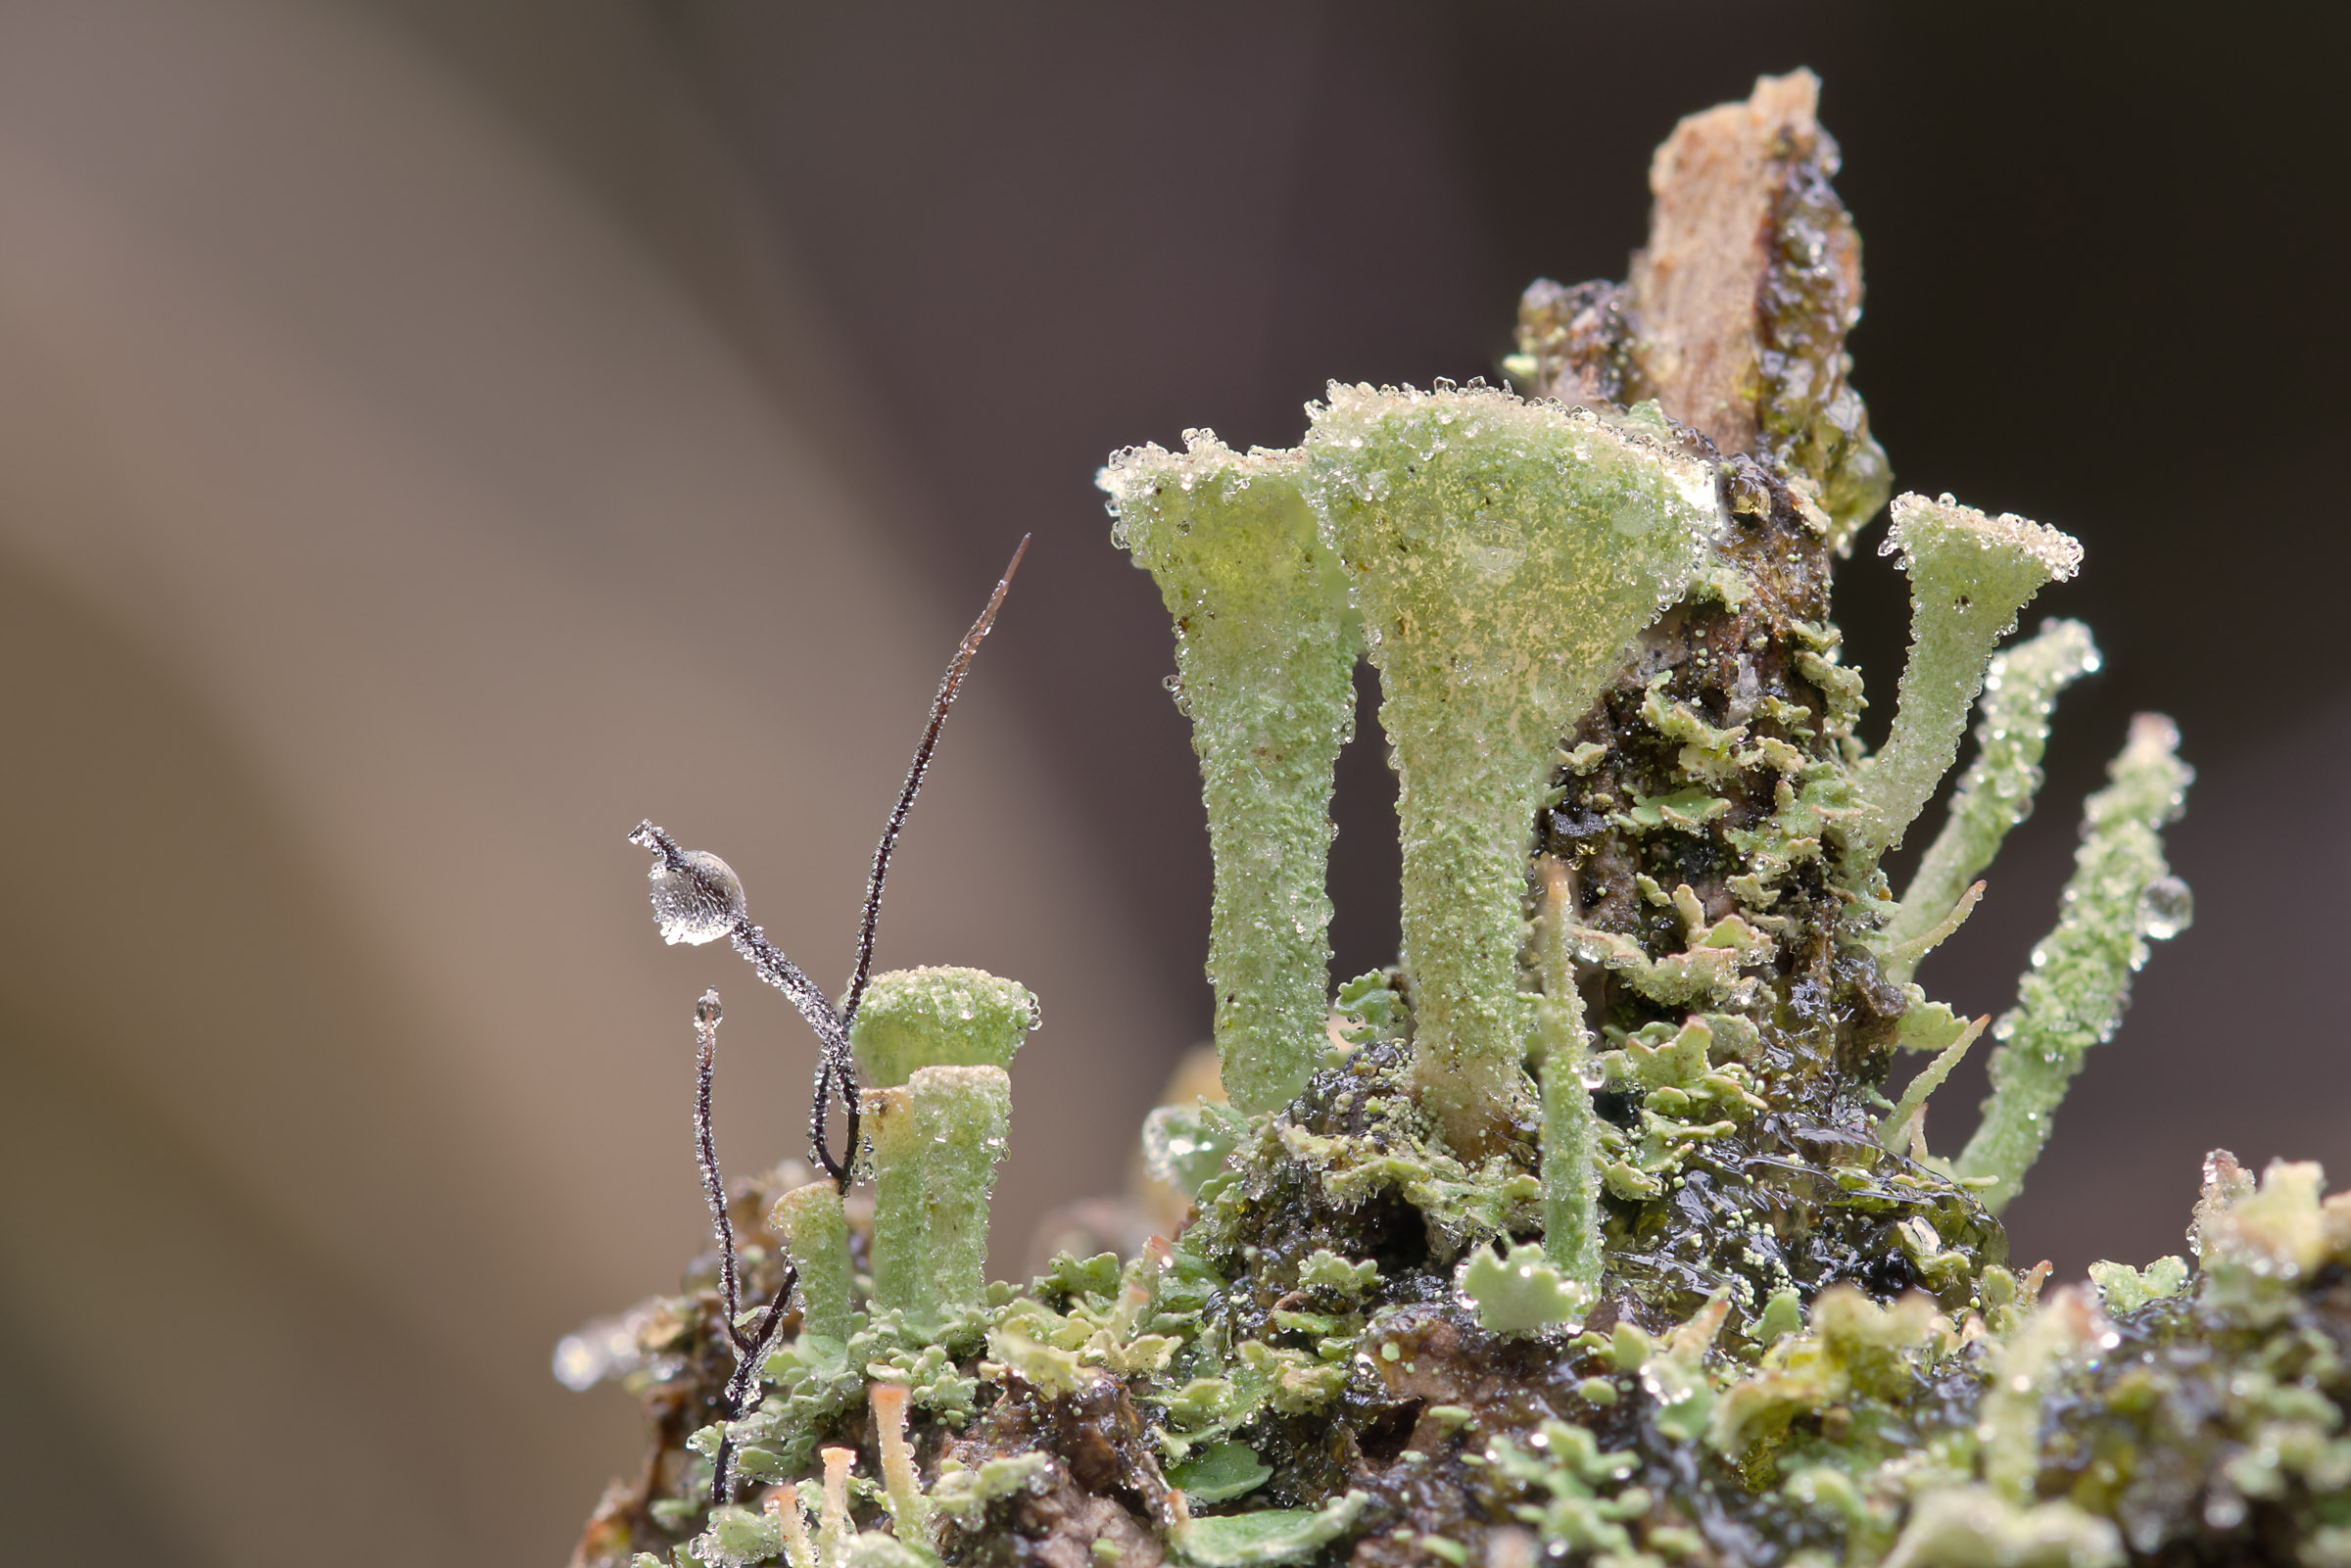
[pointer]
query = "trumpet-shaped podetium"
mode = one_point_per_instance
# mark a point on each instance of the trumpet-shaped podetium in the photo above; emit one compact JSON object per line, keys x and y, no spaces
{"x":1969,"y":575}
{"x":937,"y":1141}
{"x":1502,"y":554}
{"x":939,"y":1018}
{"x":1996,"y":794}
{"x":2122,"y":893}
{"x":1265,"y":662}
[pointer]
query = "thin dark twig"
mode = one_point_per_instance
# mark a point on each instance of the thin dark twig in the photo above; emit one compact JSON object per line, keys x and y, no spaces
{"x":750,"y":1349}
{"x":706,"y":1015}
{"x":752,"y":942}
{"x":772,"y":1323}
{"x":836,"y":1067}
{"x":743,"y":1389}
{"x":780,"y":971}
{"x":914,"y":781}
{"x":828,"y":1075}
{"x":772,"y":965}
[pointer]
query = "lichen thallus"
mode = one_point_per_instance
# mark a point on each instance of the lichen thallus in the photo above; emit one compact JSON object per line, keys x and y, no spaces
{"x":698,"y":898}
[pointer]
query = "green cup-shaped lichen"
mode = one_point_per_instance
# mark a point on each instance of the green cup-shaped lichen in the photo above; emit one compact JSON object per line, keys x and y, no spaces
{"x":937,"y":1140}
{"x":1265,"y":661}
{"x":1969,"y":575}
{"x":2121,"y":894}
{"x":923,"y":1018}
{"x":1503,"y":555}
{"x":812,"y":1222}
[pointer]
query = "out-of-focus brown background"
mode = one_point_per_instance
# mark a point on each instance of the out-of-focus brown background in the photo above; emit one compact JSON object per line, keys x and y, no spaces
{"x":434,"y":433}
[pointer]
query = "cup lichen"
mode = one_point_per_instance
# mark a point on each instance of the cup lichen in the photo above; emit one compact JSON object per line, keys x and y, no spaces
{"x":1501,"y":555}
{"x":1969,"y":575}
{"x":1265,"y":645}
{"x":1588,"y":1232}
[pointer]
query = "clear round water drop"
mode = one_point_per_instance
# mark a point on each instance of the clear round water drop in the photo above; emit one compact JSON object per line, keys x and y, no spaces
{"x":699,"y":904}
{"x":2166,"y":909}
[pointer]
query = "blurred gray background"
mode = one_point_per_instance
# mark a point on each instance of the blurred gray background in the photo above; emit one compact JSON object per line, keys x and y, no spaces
{"x":436,"y":433}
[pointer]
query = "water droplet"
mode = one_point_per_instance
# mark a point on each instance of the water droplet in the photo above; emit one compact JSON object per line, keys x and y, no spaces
{"x":2166,"y":909}
{"x":700,"y":903}
{"x":578,"y":1366}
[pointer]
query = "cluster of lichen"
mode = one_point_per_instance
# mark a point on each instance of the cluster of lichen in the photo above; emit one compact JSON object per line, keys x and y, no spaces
{"x":1585,"y":1232}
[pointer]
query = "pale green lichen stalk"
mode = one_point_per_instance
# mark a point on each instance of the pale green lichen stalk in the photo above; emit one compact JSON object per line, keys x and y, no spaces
{"x":1996,"y":794}
{"x":936,"y":1043}
{"x":2121,"y":894}
{"x":1501,"y":555}
{"x":1265,"y":659}
{"x":937,"y":1141}
{"x":1969,"y":575}
{"x":815,"y":1229}
{"x":1569,"y":1131}
{"x":1901,"y":1131}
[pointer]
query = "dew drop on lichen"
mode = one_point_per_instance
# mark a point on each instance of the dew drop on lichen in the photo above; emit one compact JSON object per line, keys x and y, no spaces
{"x":2166,"y":909}
{"x":696,"y":905}
{"x":577,"y":1364}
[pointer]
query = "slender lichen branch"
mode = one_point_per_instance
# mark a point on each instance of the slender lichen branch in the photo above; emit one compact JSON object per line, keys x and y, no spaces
{"x":1570,"y":1138}
{"x":1901,"y":1130}
{"x":1996,"y":792}
{"x":1899,"y":960}
{"x":2121,"y":894}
